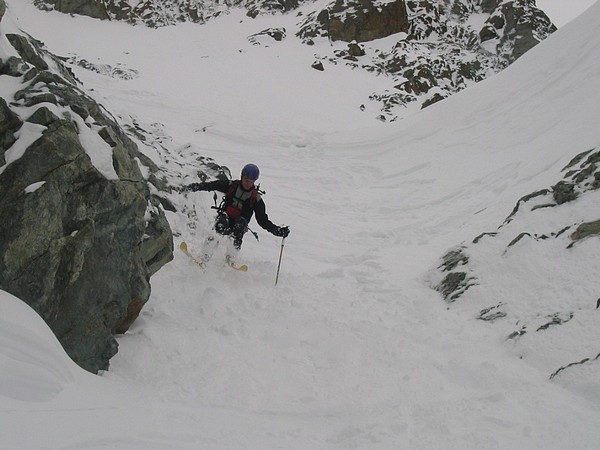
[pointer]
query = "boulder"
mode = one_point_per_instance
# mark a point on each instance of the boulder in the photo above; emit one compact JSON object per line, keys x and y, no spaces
{"x":355,"y":50}
{"x":258,"y":7}
{"x":92,"y":8}
{"x":318,"y":65}
{"x":267,"y":36}
{"x":80,"y":233}
{"x":524,"y":26}
{"x":586,"y":229}
{"x":9,"y":124}
{"x":357,"y":20}
{"x":152,"y":13}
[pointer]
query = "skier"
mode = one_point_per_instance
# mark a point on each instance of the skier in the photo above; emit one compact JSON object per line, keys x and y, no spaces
{"x":242,"y":199}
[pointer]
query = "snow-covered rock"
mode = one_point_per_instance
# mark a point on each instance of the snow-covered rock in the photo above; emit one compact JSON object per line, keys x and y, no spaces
{"x":356,"y":20}
{"x":551,"y":234}
{"x":448,"y":46}
{"x":80,"y":232}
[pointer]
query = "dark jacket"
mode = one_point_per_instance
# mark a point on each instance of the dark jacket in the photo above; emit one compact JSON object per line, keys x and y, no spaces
{"x":249,"y":207}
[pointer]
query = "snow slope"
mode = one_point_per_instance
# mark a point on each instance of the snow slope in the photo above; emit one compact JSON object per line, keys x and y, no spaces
{"x":352,"y":349}
{"x":561,"y":12}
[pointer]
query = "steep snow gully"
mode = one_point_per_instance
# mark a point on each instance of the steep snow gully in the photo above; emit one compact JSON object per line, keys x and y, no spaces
{"x":352,"y":349}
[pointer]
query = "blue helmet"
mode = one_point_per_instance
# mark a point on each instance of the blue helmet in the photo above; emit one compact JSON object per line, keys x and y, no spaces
{"x":250,"y":171}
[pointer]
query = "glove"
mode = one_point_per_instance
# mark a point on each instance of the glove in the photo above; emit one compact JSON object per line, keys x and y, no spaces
{"x":192,"y":187}
{"x":281,"y":231}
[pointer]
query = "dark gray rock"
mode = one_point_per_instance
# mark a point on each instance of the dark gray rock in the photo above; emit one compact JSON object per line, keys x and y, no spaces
{"x":456,"y":281}
{"x":584,"y":361}
{"x":564,"y":192}
{"x":493,"y":313}
{"x":72,"y":248}
{"x":152,"y":13}
{"x":78,"y":247}
{"x":42,"y":116}
{"x":259,"y":7}
{"x":273,"y":34}
{"x":355,"y":50}
{"x":9,"y":124}
{"x":586,"y":229}
{"x":488,"y":6}
{"x":525,"y":27}
{"x":13,"y":67}
{"x":454,"y":285}
{"x":524,"y":200}
{"x":91,"y":8}
{"x":435,"y":98}
{"x":28,"y":50}
{"x":454,"y":258}
{"x":356,"y":20}
{"x":318,"y":65}
{"x":556,"y":319}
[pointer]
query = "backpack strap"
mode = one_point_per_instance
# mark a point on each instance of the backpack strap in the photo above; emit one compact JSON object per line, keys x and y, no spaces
{"x":230,"y":202}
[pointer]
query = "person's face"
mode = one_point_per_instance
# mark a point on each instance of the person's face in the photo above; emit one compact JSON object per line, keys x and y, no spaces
{"x":247,"y":183}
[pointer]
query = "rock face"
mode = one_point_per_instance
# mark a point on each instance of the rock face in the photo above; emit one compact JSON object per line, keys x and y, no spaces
{"x":80,"y":234}
{"x":258,"y":7}
{"x":441,"y":52}
{"x":159,"y":13}
{"x":357,"y":20}
{"x":514,"y":27}
{"x":153,"y":13}
{"x":92,"y":8}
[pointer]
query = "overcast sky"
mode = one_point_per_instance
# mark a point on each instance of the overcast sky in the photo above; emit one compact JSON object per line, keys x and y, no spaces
{"x":563,"y":11}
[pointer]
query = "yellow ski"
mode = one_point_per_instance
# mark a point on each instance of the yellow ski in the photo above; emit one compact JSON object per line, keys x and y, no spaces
{"x":184,"y":249}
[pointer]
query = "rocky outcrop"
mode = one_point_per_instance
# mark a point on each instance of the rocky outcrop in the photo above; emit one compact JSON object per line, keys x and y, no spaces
{"x":582,"y":176}
{"x":267,"y":36}
{"x":159,"y":13}
{"x":92,"y":8}
{"x":152,"y":13}
{"x":258,"y":7}
{"x":80,"y":233}
{"x":456,"y":279}
{"x":9,"y":125}
{"x":549,"y":235}
{"x":438,"y":51}
{"x":356,"y":20}
{"x":514,"y":27}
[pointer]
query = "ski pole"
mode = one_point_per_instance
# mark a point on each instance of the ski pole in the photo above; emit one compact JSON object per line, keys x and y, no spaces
{"x":254,"y":233}
{"x":279,"y":264}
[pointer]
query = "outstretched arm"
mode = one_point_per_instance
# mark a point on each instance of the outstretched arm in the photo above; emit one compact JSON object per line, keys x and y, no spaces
{"x":263,"y":220}
{"x":217,"y":185}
